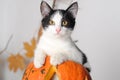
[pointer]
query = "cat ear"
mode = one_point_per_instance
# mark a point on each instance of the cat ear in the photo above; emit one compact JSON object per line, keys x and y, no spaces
{"x":45,"y":9}
{"x":73,"y":9}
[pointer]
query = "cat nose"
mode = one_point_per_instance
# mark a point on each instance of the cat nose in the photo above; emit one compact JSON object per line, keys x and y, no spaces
{"x":58,"y":30}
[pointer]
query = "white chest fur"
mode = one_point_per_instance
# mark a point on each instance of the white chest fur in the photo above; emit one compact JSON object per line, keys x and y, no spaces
{"x":58,"y":49}
{"x":62,"y":47}
{"x":54,"y":46}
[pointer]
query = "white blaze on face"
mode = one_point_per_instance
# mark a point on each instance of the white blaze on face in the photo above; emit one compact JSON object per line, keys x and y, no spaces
{"x":57,"y":17}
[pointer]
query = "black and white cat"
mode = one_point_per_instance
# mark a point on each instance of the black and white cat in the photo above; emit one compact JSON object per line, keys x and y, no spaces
{"x":56,"y":38}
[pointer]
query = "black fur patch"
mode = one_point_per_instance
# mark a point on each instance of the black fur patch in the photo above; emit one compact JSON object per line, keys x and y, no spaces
{"x":69,"y":18}
{"x":88,"y":69}
{"x":84,"y":59}
{"x":45,"y":20}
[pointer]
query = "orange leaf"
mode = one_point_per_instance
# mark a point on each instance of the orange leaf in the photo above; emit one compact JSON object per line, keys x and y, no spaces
{"x":16,"y":62}
{"x":30,"y":48}
{"x":29,"y":54}
{"x":27,"y":46}
{"x":40,"y":33}
{"x":33,"y":41}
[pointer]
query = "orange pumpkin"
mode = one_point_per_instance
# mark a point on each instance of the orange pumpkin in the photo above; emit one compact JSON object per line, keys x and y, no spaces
{"x":68,"y":70}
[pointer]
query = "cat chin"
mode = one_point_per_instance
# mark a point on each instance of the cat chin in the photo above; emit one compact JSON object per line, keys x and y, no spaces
{"x":61,"y":35}
{"x":57,"y":35}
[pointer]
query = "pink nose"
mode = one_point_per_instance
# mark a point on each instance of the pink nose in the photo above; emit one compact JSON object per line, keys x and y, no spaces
{"x":58,"y":30}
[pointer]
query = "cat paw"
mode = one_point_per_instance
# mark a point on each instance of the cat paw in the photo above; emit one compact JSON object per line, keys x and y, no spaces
{"x":39,"y":58}
{"x":56,"y":60}
{"x":37,"y":64}
{"x":39,"y":61}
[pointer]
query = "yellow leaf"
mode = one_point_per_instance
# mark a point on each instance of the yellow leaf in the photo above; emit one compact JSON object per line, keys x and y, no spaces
{"x":30,"y":48}
{"x":16,"y":62}
{"x":29,"y":54}
{"x":33,"y":41}
{"x":40,"y":33}
{"x":27,"y":46}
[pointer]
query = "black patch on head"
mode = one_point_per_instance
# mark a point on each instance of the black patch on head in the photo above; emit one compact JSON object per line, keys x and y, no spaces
{"x":66,"y":16}
{"x":46,"y":19}
{"x":69,"y":18}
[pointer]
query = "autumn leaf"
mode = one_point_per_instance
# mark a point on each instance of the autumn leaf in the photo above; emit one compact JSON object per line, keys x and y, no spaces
{"x":30,"y":48}
{"x":16,"y":62}
{"x":40,"y":33}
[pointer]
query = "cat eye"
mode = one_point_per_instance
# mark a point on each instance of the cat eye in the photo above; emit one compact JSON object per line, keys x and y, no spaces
{"x":64,"y":23}
{"x":51,"y":22}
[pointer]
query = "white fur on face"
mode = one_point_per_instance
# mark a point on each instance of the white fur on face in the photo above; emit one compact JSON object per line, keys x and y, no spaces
{"x":51,"y":29}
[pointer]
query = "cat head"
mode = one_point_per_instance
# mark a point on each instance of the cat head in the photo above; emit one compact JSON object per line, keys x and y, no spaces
{"x":58,"y":22}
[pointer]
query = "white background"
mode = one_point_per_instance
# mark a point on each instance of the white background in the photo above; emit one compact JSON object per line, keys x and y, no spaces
{"x":97,"y":29}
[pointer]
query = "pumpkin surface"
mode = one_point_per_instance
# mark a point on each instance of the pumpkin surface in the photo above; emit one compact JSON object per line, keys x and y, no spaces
{"x":68,"y":70}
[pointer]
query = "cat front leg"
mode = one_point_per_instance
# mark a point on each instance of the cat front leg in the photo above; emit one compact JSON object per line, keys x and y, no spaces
{"x":39,"y":58}
{"x":57,"y":59}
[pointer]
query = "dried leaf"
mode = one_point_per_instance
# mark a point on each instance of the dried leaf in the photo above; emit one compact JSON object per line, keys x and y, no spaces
{"x":40,"y":33}
{"x":33,"y":41}
{"x":16,"y":62}
{"x":30,"y":48}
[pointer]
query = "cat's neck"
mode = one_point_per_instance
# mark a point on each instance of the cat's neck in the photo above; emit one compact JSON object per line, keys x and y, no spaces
{"x":56,"y":37}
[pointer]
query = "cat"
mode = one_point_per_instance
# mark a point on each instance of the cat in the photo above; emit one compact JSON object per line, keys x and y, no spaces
{"x":56,"y":41}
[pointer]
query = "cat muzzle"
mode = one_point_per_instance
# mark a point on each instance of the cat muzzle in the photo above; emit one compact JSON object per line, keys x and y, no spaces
{"x":58,"y":30}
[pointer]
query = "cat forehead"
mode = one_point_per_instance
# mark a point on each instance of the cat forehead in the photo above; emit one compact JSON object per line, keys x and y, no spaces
{"x":57,"y":15}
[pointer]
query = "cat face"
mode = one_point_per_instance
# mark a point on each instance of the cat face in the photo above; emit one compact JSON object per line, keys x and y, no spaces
{"x":58,"y":22}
